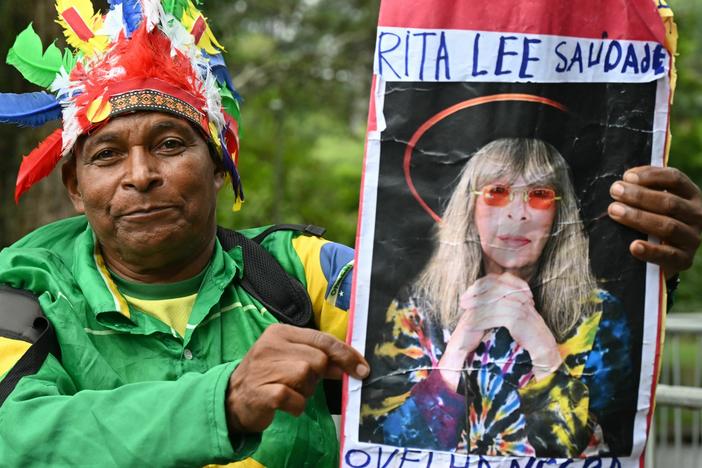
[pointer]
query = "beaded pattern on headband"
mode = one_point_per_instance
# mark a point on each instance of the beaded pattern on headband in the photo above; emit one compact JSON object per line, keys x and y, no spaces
{"x":148,"y":99}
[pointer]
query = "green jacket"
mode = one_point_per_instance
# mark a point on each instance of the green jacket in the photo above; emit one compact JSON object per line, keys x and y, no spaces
{"x":130,"y":392}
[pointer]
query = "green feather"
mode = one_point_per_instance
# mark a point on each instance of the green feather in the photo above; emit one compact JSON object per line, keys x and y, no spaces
{"x":175,"y":7}
{"x":27,"y":55}
{"x":230,"y":104}
{"x":69,"y":60}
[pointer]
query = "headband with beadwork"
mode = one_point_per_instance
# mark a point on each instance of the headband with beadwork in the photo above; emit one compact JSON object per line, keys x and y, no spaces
{"x":142,"y":55}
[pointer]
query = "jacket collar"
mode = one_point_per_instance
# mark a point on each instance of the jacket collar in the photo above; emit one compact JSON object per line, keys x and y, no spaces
{"x":109,"y":305}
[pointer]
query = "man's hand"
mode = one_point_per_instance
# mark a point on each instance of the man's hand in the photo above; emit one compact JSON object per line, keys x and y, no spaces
{"x":281,"y":371}
{"x":665,"y":203}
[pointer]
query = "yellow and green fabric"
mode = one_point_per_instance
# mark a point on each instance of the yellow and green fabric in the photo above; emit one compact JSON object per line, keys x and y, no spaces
{"x":141,"y":381}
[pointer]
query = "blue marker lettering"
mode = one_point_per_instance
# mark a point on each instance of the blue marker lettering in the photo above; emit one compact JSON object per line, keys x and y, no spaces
{"x":424,"y":51}
{"x":442,"y":56}
{"x":609,"y":64}
{"x":389,"y":459}
{"x":381,"y":52}
{"x":631,"y":60}
{"x":406,"y":453}
{"x":590,"y":61}
{"x":476,"y":50}
{"x":646,"y":61}
{"x":658,"y":56}
{"x":590,"y":463}
{"x":483,"y":463}
{"x":407,"y":44}
{"x":615,"y":463}
{"x":501,"y":52}
{"x":466,"y":463}
{"x":354,"y":462}
{"x":562,"y":67}
{"x":577,"y":58}
{"x":526,"y":58}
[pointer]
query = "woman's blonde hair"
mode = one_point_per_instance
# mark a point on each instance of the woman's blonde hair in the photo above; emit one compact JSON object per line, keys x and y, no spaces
{"x":563,"y":282}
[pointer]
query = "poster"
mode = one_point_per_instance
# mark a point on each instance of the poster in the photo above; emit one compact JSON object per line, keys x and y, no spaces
{"x":504,"y":320}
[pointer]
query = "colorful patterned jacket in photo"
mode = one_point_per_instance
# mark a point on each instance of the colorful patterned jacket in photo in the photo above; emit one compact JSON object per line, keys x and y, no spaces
{"x":499,"y":408}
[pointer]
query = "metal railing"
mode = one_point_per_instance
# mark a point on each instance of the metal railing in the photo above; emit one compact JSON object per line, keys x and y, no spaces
{"x":675,"y":439}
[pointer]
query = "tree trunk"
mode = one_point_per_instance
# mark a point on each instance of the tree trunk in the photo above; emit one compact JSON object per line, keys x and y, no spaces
{"x":46,"y":201}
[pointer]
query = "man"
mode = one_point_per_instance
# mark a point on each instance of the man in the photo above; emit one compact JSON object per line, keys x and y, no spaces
{"x":165,"y":358}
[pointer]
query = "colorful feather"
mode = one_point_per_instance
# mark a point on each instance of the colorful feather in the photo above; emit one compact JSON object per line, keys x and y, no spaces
{"x":27,"y":55}
{"x":229,"y":102}
{"x":113,"y":25}
{"x":196,"y":23}
{"x":220,"y":70}
{"x":80,"y":23}
{"x":30,"y":109}
{"x":152,"y":13}
{"x":175,"y":7}
{"x":39,"y":163}
{"x":132,"y":13}
{"x":229,"y":160}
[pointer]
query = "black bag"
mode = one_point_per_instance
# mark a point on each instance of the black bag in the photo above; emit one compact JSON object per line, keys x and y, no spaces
{"x":21,"y":319}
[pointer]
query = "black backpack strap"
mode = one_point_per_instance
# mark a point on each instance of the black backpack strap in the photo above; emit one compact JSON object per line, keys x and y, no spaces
{"x":310,"y":229}
{"x":263,"y":277}
{"x":284,"y":296}
{"x":21,"y":318}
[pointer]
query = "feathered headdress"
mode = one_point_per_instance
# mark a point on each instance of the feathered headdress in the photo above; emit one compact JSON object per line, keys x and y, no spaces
{"x":140,"y":55}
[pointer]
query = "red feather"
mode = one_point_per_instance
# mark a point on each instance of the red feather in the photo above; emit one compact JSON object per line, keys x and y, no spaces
{"x":39,"y":163}
{"x":145,"y":55}
{"x":231,"y":137}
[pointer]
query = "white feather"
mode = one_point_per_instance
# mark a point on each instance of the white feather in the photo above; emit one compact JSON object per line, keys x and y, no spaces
{"x":180,"y":38}
{"x":205,"y":81}
{"x":62,"y":84}
{"x":152,"y":13}
{"x":214,"y":101}
{"x":113,"y":24}
{"x":71,"y":128}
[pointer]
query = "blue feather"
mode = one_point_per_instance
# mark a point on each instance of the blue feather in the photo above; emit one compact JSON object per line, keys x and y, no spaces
{"x":220,"y":71}
{"x":132,"y":14}
{"x":231,"y":168}
{"x":29,"y":109}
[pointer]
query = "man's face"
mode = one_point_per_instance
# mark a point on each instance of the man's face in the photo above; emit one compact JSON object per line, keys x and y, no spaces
{"x":148,"y":186}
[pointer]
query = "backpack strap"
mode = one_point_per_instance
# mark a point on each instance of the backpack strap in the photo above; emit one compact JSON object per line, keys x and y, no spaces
{"x":310,"y":229}
{"x":284,"y":296}
{"x":21,"y":318}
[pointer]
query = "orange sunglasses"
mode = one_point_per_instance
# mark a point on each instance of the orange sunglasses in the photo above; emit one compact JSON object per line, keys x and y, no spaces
{"x":539,"y":198}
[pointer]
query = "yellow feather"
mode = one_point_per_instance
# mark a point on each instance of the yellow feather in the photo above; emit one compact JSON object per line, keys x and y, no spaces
{"x":208,"y":40}
{"x":93,"y":20}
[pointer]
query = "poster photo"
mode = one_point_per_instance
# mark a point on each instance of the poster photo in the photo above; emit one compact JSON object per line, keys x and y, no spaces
{"x":504,"y":319}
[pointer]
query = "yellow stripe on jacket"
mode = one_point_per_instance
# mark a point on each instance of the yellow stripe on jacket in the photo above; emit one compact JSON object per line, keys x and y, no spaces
{"x":327,"y":272}
{"x":11,"y":351}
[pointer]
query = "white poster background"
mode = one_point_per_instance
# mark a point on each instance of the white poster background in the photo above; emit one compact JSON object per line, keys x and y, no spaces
{"x":357,"y":454}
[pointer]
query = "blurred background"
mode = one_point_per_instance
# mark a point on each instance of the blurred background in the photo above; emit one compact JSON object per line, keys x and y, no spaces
{"x":304,"y":68}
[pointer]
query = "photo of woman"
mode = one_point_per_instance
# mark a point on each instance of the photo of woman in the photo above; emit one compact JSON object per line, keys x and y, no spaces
{"x":503,"y":343}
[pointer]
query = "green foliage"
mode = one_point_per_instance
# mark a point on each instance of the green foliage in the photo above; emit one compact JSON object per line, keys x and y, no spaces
{"x":686,"y":127}
{"x":304,"y":69}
